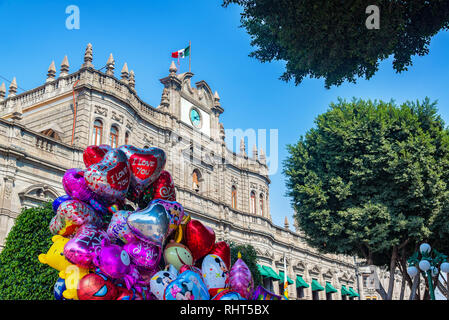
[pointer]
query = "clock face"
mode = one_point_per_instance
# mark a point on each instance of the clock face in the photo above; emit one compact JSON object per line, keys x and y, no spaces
{"x":195,"y":118}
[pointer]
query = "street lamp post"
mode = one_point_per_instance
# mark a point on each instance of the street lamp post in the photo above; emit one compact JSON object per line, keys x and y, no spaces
{"x":429,"y":263}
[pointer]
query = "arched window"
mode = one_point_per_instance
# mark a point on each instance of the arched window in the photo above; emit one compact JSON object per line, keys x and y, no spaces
{"x":261,"y":204}
{"x":126,"y":137}
{"x":196,"y":177}
{"x":252,"y":202}
{"x":114,"y":137}
{"x":234,"y":197}
{"x":97,"y":133}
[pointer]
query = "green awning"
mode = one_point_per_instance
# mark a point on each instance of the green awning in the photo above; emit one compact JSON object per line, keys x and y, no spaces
{"x":281,"y":278}
{"x":300,"y":283}
{"x":353,"y":293}
{"x":344,"y":291}
{"x":262,"y":271}
{"x":316,"y":286}
{"x":271,"y":272}
{"x":330,"y":288}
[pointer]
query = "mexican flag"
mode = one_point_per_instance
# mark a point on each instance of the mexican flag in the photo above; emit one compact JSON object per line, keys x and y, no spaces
{"x":181,"y":53}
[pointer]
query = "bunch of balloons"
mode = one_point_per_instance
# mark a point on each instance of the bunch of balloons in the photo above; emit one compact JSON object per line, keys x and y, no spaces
{"x":119,"y":234}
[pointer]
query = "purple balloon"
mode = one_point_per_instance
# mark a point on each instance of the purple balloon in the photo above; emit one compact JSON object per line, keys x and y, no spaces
{"x":240,"y":279}
{"x":118,"y":228}
{"x":115,"y":263}
{"x":57,"y":202}
{"x":75,"y":185}
{"x":143,"y":254}
{"x":80,"y":250}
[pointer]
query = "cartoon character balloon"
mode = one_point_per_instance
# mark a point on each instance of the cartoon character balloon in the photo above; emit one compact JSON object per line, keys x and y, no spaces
{"x":187,"y":286}
{"x":59,"y":288}
{"x":240,"y":278}
{"x":177,"y":255}
{"x":118,"y":227}
{"x":227,"y":294}
{"x":215,"y":273}
{"x":160,"y":281}
{"x":96,"y":286}
{"x":55,"y":255}
{"x":143,"y":254}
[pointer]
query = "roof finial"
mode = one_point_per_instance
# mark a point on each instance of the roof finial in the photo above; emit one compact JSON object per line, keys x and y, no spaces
{"x":132,"y":80}
{"x":286,"y":224}
{"x":2,"y":91}
{"x":12,"y":88}
{"x":242,"y":147}
{"x":88,"y":57}
{"x":165,"y":99}
{"x":255,"y":152}
{"x":110,"y":65}
{"x":262,"y":157}
{"x":51,"y":73}
{"x":64,"y":71}
{"x":173,"y":68}
{"x":125,"y":73}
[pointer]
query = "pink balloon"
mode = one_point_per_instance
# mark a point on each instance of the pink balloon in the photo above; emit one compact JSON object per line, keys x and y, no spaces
{"x":143,"y":254}
{"x":75,"y":185}
{"x":80,"y":250}
{"x":240,"y":279}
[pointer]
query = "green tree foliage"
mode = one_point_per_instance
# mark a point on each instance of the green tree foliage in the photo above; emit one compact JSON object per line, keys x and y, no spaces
{"x":22,"y":276}
{"x":249,"y":255}
{"x":329,"y":39}
{"x":371,"y":180}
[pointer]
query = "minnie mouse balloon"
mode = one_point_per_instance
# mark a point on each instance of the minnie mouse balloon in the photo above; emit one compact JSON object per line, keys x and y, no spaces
{"x":72,"y":214}
{"x":159,"y":282}
{"x":143,"y":254}
{"x":94,"y":154}
{"x":146,"y":166}
{"x":80,"y":250}
{"x":187,"y":286}
{"x":222,"y":250}
{"x":110,"y":177}
{"x":240,"y":278}
{"x":215,"y":273}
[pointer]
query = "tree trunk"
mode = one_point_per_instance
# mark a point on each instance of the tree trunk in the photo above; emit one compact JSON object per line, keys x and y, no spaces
{"x":394,"y":257}
{"x":414,"y":287}
{"x":401,"y":297}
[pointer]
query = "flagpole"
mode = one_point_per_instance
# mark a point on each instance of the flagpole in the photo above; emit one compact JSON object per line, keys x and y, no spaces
{"x":285,"y":280}
{"x":190,"y":55}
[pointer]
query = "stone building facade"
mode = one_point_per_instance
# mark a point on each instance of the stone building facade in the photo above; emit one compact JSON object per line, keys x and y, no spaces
{"x":44,"y":131}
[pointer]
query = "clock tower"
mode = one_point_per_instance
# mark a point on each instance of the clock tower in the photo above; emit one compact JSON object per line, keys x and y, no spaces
{"x":196,"y":107}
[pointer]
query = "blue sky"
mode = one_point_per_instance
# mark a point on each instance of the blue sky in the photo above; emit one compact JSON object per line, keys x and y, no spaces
{"x":144,"y":33}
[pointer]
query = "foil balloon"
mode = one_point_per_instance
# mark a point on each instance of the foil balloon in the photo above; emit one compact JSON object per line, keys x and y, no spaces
{"x":222,"y":250}
{"x":215,"y":273}
{"x":118,"y":227}
{"x":227,"y":294}
{"x":163,"y":188}
{"x":109,"y":179}
{"x":75,"y":185}
{"x":145,"y":164}
{"x":240,"y":278}
{"x":73,"y":276}
{"x":174,"y":210}
{"x":94,"y":154}
{"x":199,"y":239}
{"x":115,"y":263}
{"x":187,"y":286}
{"x":59,"y":288}
{"x":146,"y":275}
{"x":143,"y":254}
{"x":159,"y":282}
{"x":191,"y":268}
{"x":263,"y":294}
{"x":55,"y":255}
{"x":80,"y":250}
{"x":177,"y":255}
{"x":96,"y":286}
{"x":57,"y":202}
{"x":71,"y":215}
{"x":150,"y":224}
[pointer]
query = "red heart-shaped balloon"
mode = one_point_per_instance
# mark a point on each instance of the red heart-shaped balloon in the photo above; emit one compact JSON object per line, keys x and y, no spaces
{"x":94,"y":154}
{"x":164,"y":187}
{"x":199,"y":238}
{"x":145,"y":164}
{"x":222,"y":250}
{"x":109,"y":178}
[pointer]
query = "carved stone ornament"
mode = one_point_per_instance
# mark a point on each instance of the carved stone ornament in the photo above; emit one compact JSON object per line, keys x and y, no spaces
{"x":101,"y":111}
{"x":117,"y":117}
